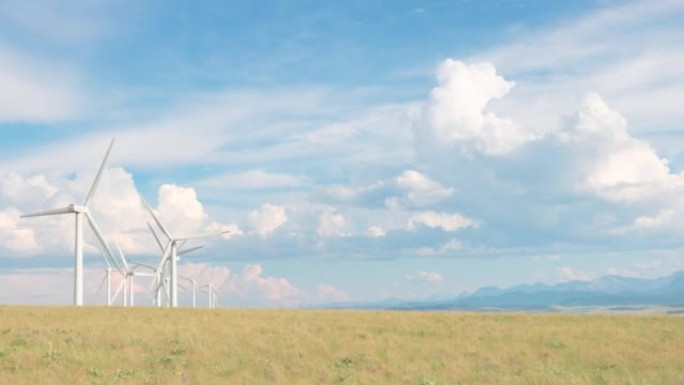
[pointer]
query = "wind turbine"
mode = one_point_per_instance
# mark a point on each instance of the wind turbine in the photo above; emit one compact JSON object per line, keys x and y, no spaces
{"x":80,"y":212}
{"x":160,"y":282}
{"x":129,"y":272}
{"x":212,"y":296}
{"x":109,"y":261}
{"x":171,"y":254}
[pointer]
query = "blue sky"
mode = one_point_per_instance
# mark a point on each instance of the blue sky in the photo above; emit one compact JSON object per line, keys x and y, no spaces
{"x":356,"y":151}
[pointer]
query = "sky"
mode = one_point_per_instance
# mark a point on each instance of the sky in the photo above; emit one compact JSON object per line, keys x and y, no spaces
{"x":356,"y":151}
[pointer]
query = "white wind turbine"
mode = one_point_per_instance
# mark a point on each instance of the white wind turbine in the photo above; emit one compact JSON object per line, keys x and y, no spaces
{"x":193,"y":287}
{"x":170,"y":255}
{"x":212,"y":295}
{"x":109,"y":262}
{"x":161,"y":282}
{"x":81,"y":211}
{"x":129,"y":272}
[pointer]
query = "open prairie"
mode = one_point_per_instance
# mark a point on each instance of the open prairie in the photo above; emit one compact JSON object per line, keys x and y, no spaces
{"x":41,"y":345}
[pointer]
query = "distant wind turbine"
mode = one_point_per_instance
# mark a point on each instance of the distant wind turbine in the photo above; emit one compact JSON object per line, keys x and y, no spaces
{"x":81,"y":211}
{"x":160,"y":282}
{"x":212,"y":295}
{"x":171,"y":253}
{"x":129,"y":271}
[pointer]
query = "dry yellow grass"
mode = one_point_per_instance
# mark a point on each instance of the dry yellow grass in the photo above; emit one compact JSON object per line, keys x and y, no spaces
{"x":201,"y":346}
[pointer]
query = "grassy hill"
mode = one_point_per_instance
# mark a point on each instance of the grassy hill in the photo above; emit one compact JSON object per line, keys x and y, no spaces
{"x":40,"y":345}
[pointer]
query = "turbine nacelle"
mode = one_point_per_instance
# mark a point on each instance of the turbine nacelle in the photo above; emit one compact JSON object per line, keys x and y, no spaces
{"x":78,"y":208}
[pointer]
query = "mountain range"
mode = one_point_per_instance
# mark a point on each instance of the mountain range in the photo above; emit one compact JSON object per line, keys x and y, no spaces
{"x":611,"y":293}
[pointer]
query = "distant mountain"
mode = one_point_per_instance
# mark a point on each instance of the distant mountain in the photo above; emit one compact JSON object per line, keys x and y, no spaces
{"x":612,"y":292}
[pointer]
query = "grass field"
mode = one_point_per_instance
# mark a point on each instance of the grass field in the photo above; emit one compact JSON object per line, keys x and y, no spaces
{"x":202,"y":346}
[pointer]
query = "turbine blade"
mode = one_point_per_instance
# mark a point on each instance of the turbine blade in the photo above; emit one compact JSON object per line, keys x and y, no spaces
{"x":63,"y":210}
{"x":140,"y":264}
{"x":118,"y":289}
{"x":105,"y":246}
{"x":195,"y":236}
{"x":99,"y":288}
{"x":156,"y":219}
{"x":121,"y":254}
{"x":156,"y":238}
{"x":190,"y":250}
{"x":103,"y":165}
{"x":142,"y":274}
{"x":102,"y":252}
{"x":159,"y":271}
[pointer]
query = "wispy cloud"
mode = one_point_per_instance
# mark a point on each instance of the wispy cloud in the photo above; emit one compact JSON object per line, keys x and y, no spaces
{"x":425,"y":276}
{"x":32,"y":91}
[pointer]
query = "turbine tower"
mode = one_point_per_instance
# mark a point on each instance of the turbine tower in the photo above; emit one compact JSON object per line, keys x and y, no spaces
{"x":80,"y":212}
{"x":160,"y":281}
{"x":170,"y":255}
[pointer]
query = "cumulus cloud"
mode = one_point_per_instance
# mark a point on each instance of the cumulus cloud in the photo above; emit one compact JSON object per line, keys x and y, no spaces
{"x":251,"y":281}
{"x":425,"y":276}
{"x":24,"y":191}
{"x":206,"y":274}
{"x":332,"y":224}
{"x":329,"y":293}
{"x":116,"y":208}
{"x":445,"y":221}
{"x":179,"y":205}
{"x":617,"y":166}
{"x":16,"y":239}
{"x":456,"y":113}
{"x":267,"y":219}
{"x":422,"y":190}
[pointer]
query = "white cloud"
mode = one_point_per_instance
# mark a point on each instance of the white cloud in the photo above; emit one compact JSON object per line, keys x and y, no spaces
{"x":116,"y":208}
{"x":629,"y":52}
{"x":376,"y":232}
{"x":267,"y":219}
{"x":25,"y":191}
{"x":180,"y":208}
{"x":445,"y":221}
{"x":422,"y":190}
{"x":570,"y":274}
{"x":650,"y":222}
{"x":329,"y":293}
{"x":445,"y":249}
{"x":16,"y":239}
{"x":205,"y":274}
{"x":393,"y":203}
{"x":617,"y":166}
{"x":425,"y":276}
{"x":332,"y":224}
{"x":252,"y":282}
{"x":456,"y":112}
{"x":254,"y":179}
{"x":328,"y":134}
{"x":35,"y":92}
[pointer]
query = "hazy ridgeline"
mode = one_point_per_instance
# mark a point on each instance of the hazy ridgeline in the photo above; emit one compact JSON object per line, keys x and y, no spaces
{"x":40,"y":345}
